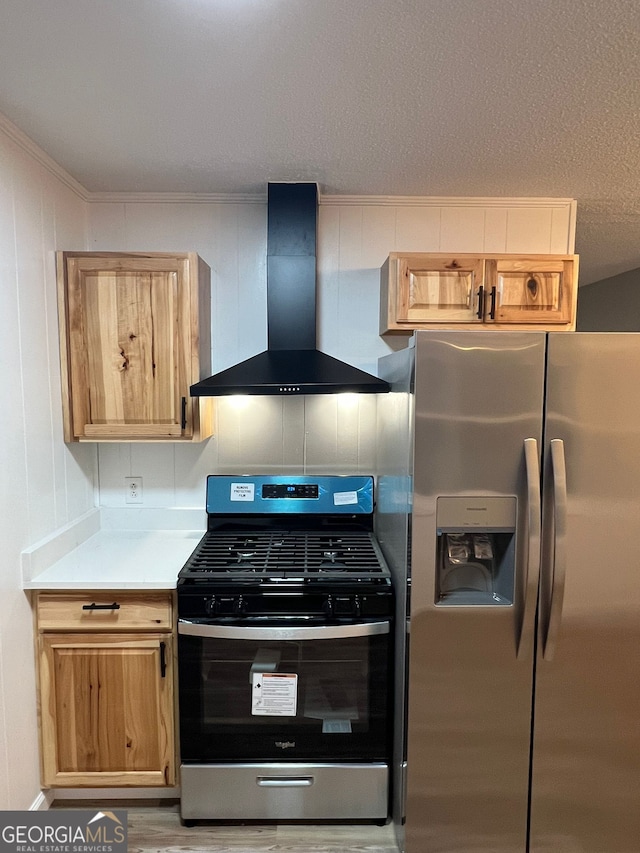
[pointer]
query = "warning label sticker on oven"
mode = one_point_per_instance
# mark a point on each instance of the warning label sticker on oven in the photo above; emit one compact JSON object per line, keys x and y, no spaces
{"x":274,"y":694}
{"x":242,"y":491}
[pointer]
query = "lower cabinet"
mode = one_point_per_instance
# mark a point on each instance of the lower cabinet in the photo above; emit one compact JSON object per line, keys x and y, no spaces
{"x":106,"y":689}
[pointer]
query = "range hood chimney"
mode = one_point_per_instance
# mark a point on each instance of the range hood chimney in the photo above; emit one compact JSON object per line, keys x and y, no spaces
{"x":292,"y":364}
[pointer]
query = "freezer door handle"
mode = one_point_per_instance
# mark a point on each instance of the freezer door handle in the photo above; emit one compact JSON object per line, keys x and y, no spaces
{"x":559,"y":563}
{"x":532,"y":568}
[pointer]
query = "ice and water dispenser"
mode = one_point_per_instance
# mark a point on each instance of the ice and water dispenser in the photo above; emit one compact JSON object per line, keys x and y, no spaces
{"x":475,"y":551}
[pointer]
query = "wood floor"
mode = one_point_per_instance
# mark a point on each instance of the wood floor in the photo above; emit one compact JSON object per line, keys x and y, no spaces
{"x":156,"y":827}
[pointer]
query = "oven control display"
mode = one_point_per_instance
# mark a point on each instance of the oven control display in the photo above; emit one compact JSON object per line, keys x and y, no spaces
{"x":295,"y":491}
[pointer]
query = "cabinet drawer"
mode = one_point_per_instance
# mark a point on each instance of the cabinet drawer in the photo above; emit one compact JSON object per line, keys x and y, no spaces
{"x":104,"y":611}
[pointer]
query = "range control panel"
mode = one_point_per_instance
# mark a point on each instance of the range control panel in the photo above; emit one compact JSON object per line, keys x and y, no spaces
{"x":279,"y":495}
{"x":327,"y":606}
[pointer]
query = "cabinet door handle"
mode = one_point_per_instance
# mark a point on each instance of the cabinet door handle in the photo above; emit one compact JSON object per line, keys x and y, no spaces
{"x":492,"y":309}
{"x":94,"y":606}
{"x":163,"y":660}
{"x":184,"y":413}
{"x":480,"y":312}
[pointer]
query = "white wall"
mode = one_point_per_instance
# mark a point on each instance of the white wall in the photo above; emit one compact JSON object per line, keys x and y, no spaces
{"x":314,"y":434}
{"x":44,"y":484}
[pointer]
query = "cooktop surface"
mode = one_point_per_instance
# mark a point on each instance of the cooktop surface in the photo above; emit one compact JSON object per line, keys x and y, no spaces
{"x":284,"y":553}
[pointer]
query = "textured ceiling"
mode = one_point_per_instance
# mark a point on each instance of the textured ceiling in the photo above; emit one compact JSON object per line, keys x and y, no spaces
{"x":373,"y":97}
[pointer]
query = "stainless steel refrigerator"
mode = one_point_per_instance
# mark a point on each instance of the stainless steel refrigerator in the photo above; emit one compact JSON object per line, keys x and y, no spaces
{"x":509,"y":511}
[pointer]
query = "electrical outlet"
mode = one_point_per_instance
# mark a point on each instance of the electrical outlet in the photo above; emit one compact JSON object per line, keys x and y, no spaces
{"x":133,"y":490}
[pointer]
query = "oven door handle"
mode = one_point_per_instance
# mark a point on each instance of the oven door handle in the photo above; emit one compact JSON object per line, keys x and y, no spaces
{"x":264,"y":632}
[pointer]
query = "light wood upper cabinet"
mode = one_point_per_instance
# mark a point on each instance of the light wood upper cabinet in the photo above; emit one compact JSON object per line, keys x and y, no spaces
{"x":106,"y":689}
{"x":429,"y":291}
{"x":134,"y":335}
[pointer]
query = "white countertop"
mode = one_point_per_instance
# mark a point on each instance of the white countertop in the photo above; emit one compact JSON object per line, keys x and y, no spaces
{"x":113,"y":559}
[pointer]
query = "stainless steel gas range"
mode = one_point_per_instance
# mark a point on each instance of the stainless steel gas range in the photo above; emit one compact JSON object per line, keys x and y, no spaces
{"x":284,"y":648}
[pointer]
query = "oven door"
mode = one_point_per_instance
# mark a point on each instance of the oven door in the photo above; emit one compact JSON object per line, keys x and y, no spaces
{"x":284,"y":691}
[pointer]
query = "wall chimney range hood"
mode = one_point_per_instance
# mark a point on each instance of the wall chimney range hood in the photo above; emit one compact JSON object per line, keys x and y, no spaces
{"x":291,"y":364}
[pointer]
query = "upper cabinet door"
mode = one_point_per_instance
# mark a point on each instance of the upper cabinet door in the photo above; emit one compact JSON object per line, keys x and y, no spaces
{"x":477,"y":291}
{"x":131,"y":345}
{"x":436,"y":289}
{"x":439,"y":289}
{"x":531,"y":289}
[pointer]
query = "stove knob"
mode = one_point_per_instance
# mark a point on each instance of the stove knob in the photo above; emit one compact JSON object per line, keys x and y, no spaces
{"x":327,"y":606}
{"x":210,"y":605}
{"x":240,"y":606}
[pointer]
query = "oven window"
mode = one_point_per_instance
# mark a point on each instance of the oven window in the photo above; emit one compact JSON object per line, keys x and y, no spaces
{"x":284,"y":700}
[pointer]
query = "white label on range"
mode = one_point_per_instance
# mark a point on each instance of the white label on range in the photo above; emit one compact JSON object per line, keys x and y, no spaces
{"x":274,"y":694}
{"x":344,"y":498}
{"x":242,"y":491}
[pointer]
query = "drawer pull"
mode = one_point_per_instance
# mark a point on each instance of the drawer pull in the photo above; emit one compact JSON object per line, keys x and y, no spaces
{"x":94,"y":606}
{"x":284,"y":781}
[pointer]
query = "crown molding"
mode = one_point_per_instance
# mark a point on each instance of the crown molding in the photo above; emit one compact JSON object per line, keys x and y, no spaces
{"x":29,"y":147}
{"x":176,"y":198}
{"x":330,"y":200}
{"x":444,"y":201}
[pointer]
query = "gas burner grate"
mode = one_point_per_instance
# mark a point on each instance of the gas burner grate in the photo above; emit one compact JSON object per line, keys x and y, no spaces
{"x":278,"y":553}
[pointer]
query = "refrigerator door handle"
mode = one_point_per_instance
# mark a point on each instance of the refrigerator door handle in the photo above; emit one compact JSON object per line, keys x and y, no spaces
{"x":559,"y":474}
{"x":532,"y":569}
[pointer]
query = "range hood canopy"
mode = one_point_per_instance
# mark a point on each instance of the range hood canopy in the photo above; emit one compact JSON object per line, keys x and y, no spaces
{"x":291,"y":364}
